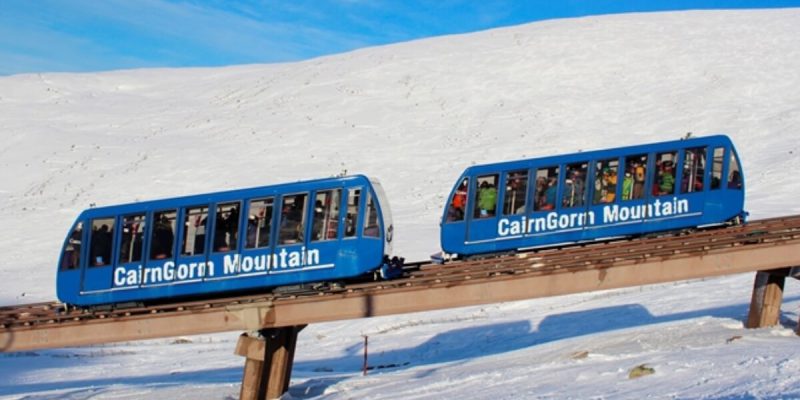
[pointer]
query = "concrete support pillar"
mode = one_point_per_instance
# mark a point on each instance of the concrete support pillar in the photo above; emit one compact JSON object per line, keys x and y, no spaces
{"x":765,"y":306}
{"x":268,"y":362}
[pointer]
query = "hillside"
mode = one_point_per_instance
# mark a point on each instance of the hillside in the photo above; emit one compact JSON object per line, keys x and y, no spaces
{"x":414,"y":115}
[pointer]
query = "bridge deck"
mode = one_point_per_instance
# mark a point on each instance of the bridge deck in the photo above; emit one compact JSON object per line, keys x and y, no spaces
{"x":759,"y":245}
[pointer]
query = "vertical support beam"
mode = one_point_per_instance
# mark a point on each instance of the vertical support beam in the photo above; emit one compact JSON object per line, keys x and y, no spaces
{"x":291,"y":346}
{"x":765,"y":305}
{"x":268,"y":364}
{"x":252,"y":348}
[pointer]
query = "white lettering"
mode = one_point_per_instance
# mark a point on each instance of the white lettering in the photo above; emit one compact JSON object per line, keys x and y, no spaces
{"x":230,"y":264}
{"x":247,"y":264}
{"x":119,"y":276}
{"x":233,"y":264}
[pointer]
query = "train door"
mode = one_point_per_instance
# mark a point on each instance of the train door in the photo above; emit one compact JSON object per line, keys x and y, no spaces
{"x":259,"y":233}
{"x":484,"y":216}
{"x":660,"y":186}
{"x":545,"y":190}
{"x":323,"y":239}
{"x":100,"y":264}
{"x":223,"y":251}
{"x":290,"y":249}
{"x":632,"y":207}
{"x":574,"y":204}
{"x":605,"y":198}
{"x":131,"y":250}
{"x":693,"y":185}
{"x":193,"y":242}
{"x":513,"y":197}
{"x":160,"y":248}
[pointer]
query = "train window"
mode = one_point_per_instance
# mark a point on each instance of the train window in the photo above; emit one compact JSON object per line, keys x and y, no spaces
{"x":130,"y":248}
{"x":326,"y":215}
{"x":605,"y":180}
{"x":162,"y":238}
{"x":226,"y":227}
{"x":575,"y":185}
{"x":716,"y":168}
{"x":734,"y":173}
{"x":351,"y":219}
{"x":664,"y":182}
{"x":546,"y":188}
{"x":195,"y":220}
{"x":694,"y":167}
{"x":486,"y":196}
{"x":101,"y":241}
{"x":71,"y":259}
{"x":516,"y":190}
{"x":635,"y":173}
{"x":371,"y":226}
{"x":293,"y":219}
{"x":458,"y":204}
{"x":259,"y":223}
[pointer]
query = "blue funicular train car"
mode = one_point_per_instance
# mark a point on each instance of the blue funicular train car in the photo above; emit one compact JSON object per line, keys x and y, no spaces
{"x":593,"y":195}
{"x":231,"y":241}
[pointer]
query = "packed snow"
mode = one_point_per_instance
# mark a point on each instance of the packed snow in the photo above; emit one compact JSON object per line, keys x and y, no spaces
{"x":415,"y":115}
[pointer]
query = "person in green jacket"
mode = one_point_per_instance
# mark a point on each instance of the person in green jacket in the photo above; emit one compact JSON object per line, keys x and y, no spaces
{"x":487,"y":199}
{"x":667,"y":181}
{"x":627,"y":186}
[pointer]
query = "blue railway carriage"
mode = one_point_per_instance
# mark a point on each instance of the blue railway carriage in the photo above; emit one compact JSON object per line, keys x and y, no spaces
{"x":232,"y":241}
{"x":594,"y":195}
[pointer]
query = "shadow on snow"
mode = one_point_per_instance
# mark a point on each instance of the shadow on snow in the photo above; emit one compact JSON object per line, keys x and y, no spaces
{"x":454,"y":345}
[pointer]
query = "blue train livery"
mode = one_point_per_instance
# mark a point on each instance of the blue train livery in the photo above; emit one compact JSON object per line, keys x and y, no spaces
{"x":594,"y":195}
{"x":233,"y":241}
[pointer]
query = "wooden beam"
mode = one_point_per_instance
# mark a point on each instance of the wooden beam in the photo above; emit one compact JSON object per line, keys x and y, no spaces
{"x":388,"y":301}
{"x":252,"y":348}
{"x":765,"y":305}
{"x":269,"y":358}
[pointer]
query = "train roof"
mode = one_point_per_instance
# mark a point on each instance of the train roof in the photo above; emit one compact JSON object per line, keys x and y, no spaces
{"x":205,"y":198}
{"x":602,"y":153}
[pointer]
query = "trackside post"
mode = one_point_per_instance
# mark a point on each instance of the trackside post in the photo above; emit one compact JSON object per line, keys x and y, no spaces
{"x":269,"y":359}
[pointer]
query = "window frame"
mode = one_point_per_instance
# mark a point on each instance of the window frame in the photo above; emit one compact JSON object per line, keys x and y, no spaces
{"x":356,"y":223}
{"x":604,"y":163}
{"x":507,"y":181}
{"x":270,"y":216}
{"x":111,"y":241}
{"x":464,"y":182}
{"x":721,"y":168}
{"x":476,"y":210}
{"x":279,"y":240}
{"x":733,"y":160}
{"x":636,"y":157}
{"x":675,"y":172}
{"x":326,"y":208}
{"x":567,"y":167}
{"x":122,"y":220}
{"x":151,"y":233}
{"x":536,"y":207}
{"x":183,"y":231}
{"x":693,"y":178}
{"x":79,"y":260}
{"x":236,"y":245}
{"x":371,"y":205}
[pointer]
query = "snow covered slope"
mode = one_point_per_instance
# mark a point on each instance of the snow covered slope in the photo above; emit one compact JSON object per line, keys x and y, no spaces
{"x":414,"y":115}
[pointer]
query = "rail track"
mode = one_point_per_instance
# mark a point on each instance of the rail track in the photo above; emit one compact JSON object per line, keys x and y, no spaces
{"x":421,"y":275}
